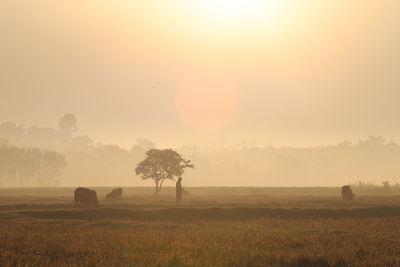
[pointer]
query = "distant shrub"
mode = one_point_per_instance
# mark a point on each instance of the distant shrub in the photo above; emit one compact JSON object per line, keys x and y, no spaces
{"x":365,"y":188}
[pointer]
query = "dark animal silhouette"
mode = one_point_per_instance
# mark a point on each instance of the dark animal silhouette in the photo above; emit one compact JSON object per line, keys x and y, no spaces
{"x":115,"y":194}
{"x":347,"y":193}
{"x":86,"y":197}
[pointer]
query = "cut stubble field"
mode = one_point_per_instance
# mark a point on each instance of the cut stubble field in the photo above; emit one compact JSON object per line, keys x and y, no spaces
{"x":213,"y":227}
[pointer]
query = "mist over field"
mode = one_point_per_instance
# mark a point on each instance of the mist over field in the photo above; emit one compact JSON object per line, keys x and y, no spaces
{"x":263,"y":102}
{"x":83,"y":162}
{"x":264,"y":93}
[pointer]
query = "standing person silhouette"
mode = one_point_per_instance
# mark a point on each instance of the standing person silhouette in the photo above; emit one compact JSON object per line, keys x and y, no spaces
{"x":179,"y":190}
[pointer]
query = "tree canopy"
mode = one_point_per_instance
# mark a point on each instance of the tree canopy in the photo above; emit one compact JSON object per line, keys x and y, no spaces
{"x":161,"y":165}
{"x":68,"y":123}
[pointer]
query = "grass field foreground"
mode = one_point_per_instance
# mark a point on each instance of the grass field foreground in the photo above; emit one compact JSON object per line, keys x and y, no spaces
{"x":228,"y":230}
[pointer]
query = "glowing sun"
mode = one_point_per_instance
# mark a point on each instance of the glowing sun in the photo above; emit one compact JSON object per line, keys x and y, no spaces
{"x":238,"y":12}
{"x":206,"y":104}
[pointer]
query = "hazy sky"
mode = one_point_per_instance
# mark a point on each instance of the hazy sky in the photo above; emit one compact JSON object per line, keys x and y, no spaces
{"x":279,"y":72}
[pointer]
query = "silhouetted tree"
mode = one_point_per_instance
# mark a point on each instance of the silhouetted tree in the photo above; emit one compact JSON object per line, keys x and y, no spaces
{"x":30,"y":166}
{"x":68,"y":124}
{"x":162,"y":164}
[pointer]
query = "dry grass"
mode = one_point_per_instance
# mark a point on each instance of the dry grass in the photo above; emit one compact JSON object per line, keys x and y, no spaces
{"x":267,"y":242}
{"x":252,"y":230}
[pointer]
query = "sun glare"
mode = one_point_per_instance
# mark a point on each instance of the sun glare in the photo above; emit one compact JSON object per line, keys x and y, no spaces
{"x":238,"y":12}
{"x":206,"y":104}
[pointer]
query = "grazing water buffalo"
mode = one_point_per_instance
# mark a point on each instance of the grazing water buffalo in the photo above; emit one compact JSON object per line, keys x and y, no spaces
{"x":347,"y":193}
{"x":86,"y":197}
{"x":115,"y":194}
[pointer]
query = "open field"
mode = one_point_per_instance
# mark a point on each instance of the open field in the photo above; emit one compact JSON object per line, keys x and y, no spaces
{"x":213,"y":227}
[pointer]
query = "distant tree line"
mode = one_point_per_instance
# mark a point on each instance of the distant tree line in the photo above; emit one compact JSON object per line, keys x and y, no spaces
{"x":89,"y":162}
{"x":219,"y":163}
{"x":30,"y":166}
{"x":385,"y":188}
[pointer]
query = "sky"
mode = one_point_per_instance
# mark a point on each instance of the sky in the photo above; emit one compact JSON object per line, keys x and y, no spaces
{"x":285,"y":72}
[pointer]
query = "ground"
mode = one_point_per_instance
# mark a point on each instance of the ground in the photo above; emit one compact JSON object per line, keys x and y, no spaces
{"x":212,"y":227}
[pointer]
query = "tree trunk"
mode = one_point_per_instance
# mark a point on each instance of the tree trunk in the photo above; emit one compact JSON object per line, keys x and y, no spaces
{"x":161,"y":184}
{"x":157,"y":189}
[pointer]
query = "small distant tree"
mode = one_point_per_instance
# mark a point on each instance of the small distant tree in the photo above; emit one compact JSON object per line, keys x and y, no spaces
{"x":386,"y":187}
{"x":161,"y":165}
{"x":68,"y":124}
